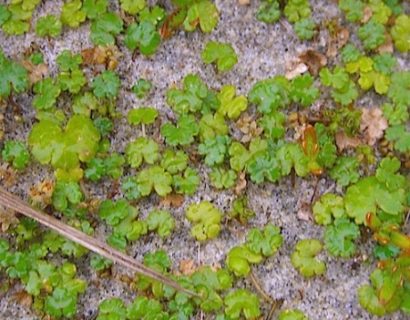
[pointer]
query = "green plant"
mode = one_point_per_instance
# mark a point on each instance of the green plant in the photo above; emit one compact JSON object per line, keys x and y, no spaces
{"x":222,"y":178}
{"x":339,"y":238}
{"x":206,"y":219}
{"x":214,"y":149}
{"x":240,"y":210}
{"x":242,"y":302}
{"x":181,"y":134}
{"x":106,"y":85}
{"x":142,"y":116}
{"x":231,"y":105}
{"x":344,"y":90}
{"x":144,"y":37}
{"x":48,"y":26}
{"x":16,"y":153}
{"x":155,"y":178}
{"x":161,"y":221}
{"x":399,"y":34}
{"x":304,"y":258}
{"x":194,"y":96}
{"x":292,"y":314}
{"x":47,"y":93}
{"x":330,"y":206}
{"x":221,"y":53}
{"x":105,"y":28}
{"x":141,"y":88}
{"x":268,"y":11}
{"x":201,"y":13}
{"x":13,"y":77}
{"x":132,"y":7}
{"x":141,"y":149}
{"x":72,"y":13}
{"x":94,"y":8}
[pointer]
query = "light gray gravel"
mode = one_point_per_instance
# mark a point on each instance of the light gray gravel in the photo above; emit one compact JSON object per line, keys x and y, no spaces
{"x":263,"y":51}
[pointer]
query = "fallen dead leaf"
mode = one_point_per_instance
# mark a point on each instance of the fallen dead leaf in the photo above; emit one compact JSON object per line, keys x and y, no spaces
{"x":244,"y":2}
{"x":240,"y":184}
{"x":41,"y":193}
{"x":35,"y":72}
{"x":305,"y":212}
{"x":337,"y":41}
{"x":107,"y":56}
{"x":7,"y":175}
{"x":172,"y":200}
{"x":367,"y":14}
{"x":23,"y":298}
{"x":187,"y":267}
{"x":295,"y":69}
{"x":248,"y":126}
{"x":372,"y":125}
{"x":387,"y":46}
{"x":343,"y":141}
{"x":314,"y":60}
{"x":7,"y":219}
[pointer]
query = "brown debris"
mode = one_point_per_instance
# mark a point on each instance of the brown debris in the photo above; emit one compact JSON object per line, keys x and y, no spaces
{"x":187,"y":267}
{"x":387,"y":46}
{"x":240,"y":184}
{"x":244,"y":2}
{"x":294,"y":69}
{"x":41,"y":193}
{"x":23,"y":298}
{"x":337,"y":41}
{"x":367,"y":14}
{"x":372,"y":125}
{"x":314,"y":60}
{"x":107,"y":56}
{"x":248,"y":126}
{"x":305,"y":212}
{"x":7,"y":175}
{"x":7,"y":219}
{"x":343,"y":141}
{"x":173,"y":200}
{"x":35,"y":72}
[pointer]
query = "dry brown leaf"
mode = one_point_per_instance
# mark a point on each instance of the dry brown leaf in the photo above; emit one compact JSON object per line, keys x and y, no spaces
{"x":295,"y":69}
{"x":372,"y":124}
{"x":35,"y":72}
{"x":108,"y":56}
{"x":387,"y":46}
{"x":367,"y":14}
{"x":305,"y":212}
{"x":337,"y":41}
{"x":172,"y":200}
{"x":248,"y":126}
{"x":7,"y":175}
{"x":343,"y":141}
{"x":7,"y":219}
{"x":23,"y":298}
{"x":244,"y":2}
{"x":41,"y":193}
{"x":240,"y":184}
{"x":314,"y":60}
{"x":187,"y":267}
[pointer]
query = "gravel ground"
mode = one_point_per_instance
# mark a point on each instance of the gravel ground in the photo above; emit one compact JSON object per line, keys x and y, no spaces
{"x":262,"y":50}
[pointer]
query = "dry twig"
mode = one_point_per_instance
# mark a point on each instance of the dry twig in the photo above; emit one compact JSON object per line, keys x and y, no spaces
{"x":14,"y":203}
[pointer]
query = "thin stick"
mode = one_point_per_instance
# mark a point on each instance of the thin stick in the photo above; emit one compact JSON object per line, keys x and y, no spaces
{"x":258,"y":287}
{"x":12,"y":202}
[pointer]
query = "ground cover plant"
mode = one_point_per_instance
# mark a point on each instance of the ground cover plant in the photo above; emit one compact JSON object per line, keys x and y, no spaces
{"x":336,"y":119}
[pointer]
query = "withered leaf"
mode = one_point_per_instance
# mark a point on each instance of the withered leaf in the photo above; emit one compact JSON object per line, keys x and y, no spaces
{"x":172,"y":200}
{"x":314,"y":60}
{"x":372,"y":125}
{"x":343,"y":141}
{"x":7,"y":218}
